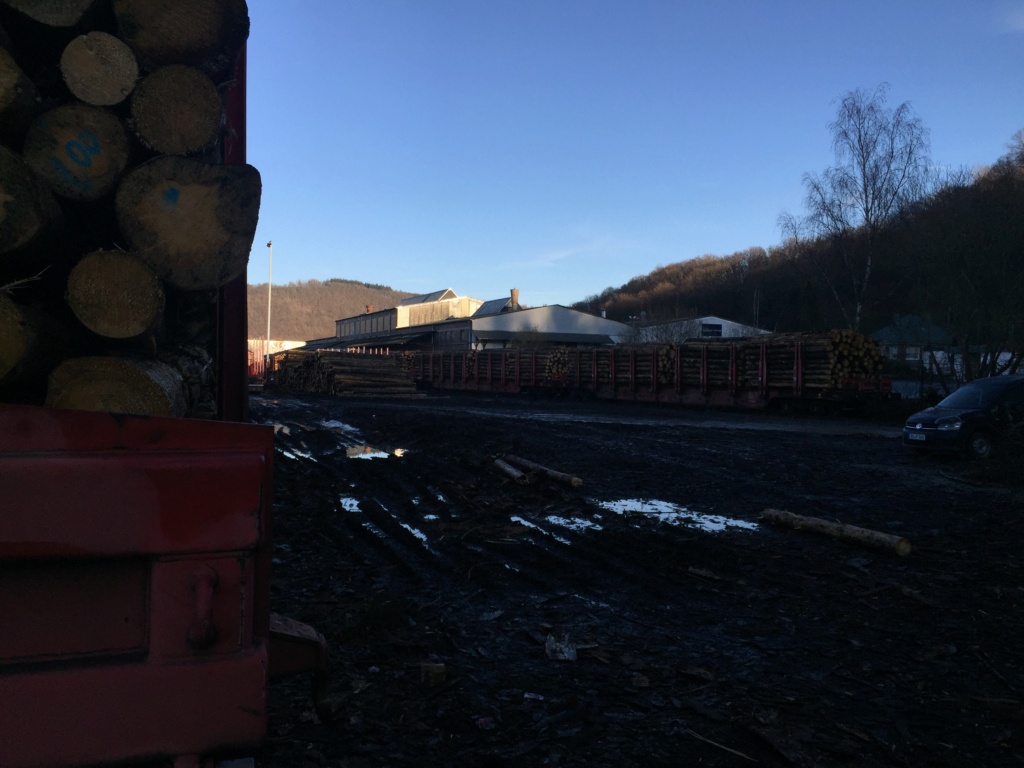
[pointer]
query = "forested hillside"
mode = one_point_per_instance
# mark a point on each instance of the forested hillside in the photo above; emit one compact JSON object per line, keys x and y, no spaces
{"x":949,"y":250}
{"x":956,"y":259}
{"x":307,"y":309}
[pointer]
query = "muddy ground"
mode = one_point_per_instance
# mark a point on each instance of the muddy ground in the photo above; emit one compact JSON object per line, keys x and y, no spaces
{"x":650,"y":616}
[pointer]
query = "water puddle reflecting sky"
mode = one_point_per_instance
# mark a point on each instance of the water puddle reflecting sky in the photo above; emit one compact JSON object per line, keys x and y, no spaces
{"x":673,"y":514}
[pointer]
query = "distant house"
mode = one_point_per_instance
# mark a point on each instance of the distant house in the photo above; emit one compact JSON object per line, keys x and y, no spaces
{"x":914,"y":341}
{"x":708,"y":327}
{"x":444,"y":321}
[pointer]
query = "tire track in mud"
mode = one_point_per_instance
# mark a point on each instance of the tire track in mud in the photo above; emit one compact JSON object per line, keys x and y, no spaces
{"x":380,"y":509}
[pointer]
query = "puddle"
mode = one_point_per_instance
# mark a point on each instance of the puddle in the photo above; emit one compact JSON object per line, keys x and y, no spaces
{"x":339,"y":426}
{"x":574,"y":523}
{"x":296,"y":455}
{"x":416,"y":532}
{"x":534,"y":526}
{"x":673,"y":514}
{"x":369,"y":452}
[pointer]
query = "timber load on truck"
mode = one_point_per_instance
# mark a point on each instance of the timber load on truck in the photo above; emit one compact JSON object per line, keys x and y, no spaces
{"x":135,"y":506}
{"x":831,"y":369}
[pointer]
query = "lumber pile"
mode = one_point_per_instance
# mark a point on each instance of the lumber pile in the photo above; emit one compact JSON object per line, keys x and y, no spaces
{"x":343,"y":374}
{"x":124,"y":211}
{"x":557,"y":363}
{"x":828,"y":359}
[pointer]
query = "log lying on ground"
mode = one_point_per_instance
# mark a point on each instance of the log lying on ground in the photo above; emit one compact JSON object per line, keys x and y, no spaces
{"x":135,"y":386}
{"x":115,"y":294}
{"x":202,"y":33}
{"x":193,"y":223}
{"x":99,"y":69}
{"x":554,"y":474}
{"x":877,"y":539}
{"x":19,"y":100}
{"x":79,"y":150}
{"x":515,"y":474}
{"x":177,"y":110}
{"x":27,"y":207}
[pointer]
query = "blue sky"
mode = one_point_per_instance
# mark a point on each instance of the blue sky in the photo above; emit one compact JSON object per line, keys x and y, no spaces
{"x":565,"y":146}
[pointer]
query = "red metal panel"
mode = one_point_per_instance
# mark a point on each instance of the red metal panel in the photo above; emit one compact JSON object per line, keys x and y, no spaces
{"x":105,"y":601}
{"x":134,"y":586}
{"x":119,"y":503}
{"x":88,"y":715}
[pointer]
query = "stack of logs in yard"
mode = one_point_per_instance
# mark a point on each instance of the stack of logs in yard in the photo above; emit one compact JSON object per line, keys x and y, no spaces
{"x":342,"y":374}
{"x":120,"y":218}
{"x":828,"y":359}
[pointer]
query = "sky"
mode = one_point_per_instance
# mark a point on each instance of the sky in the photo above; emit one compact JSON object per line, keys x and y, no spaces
{"x":562,"y":147}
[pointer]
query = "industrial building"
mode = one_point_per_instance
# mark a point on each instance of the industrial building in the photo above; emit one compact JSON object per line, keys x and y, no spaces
{"x":445,"y":321}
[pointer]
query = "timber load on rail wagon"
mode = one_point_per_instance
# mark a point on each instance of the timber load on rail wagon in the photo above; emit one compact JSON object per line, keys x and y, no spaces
{"x":832,"y":369}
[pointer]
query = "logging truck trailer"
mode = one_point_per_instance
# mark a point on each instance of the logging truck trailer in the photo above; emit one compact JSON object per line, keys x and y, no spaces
{"x":751,"y":373}
{"x":135,"y":621}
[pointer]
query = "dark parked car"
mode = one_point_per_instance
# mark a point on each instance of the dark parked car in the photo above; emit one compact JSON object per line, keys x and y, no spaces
{"x":972,"y":420}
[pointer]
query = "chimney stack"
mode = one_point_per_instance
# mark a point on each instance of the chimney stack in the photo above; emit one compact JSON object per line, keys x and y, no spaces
{"x":515,"y":299}
{"x":369,"y":308}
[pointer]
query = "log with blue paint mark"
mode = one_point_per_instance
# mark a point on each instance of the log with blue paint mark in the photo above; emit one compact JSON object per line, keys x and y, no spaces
{"x":193,"y":223}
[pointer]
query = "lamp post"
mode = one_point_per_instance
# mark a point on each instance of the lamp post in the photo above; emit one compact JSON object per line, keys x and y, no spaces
{"x":270,"y":282}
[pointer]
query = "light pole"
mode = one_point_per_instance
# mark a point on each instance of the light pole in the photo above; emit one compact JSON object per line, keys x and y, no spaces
{"x":270,"y":282}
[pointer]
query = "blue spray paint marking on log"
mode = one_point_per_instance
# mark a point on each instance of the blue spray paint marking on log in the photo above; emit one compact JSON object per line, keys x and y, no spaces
{"x":171,"y":196}
{"x":80,"y":153}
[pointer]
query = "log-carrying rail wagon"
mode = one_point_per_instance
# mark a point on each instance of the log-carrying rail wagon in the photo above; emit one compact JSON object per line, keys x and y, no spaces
{"x":817,"y":371}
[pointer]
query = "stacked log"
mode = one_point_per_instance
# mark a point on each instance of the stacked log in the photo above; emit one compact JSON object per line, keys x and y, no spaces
{"x":342,"y":374}
{"x":121,"y":220}
{"x":666,"y":363}
{"x":828,"y":360}
{"x":556,"y":364}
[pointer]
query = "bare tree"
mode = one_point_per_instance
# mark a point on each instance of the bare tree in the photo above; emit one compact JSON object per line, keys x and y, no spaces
{"x":881,"y":166}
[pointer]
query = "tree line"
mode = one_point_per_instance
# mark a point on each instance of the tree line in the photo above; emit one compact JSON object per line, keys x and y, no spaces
{"x":882,"y":234}
{"x":306,"y":309}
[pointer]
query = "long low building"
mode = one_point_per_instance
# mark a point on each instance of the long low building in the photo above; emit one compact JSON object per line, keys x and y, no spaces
{"x":444,"y":321}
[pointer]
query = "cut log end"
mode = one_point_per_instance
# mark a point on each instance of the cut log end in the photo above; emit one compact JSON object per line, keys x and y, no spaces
{"x":15,"y":336}
{"x":79,"y":150}
{"x":99,"y":69}
{"x":27,"y":207}
{"x":202,"y":33}
{"x":193,"y":223}
{"x":62,"y":14}
{"x":117,"y":385}
{"x":177,"y":111}
{"x":115,"y":294}
{"x":19,"y":100}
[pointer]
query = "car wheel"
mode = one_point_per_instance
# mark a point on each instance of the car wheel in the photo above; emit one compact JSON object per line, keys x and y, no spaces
{"x":979,"y":446}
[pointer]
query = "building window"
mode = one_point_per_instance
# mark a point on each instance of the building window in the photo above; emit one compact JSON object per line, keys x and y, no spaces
{"x":710,"y":329}
{"x":913,"y":354}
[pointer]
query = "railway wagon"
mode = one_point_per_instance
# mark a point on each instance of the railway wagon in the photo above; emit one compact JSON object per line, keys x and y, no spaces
{"x":817,"y":371}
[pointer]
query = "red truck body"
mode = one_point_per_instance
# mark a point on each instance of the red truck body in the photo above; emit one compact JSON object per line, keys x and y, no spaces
{"x":135,"y":620}
{"x":134,"y":587}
